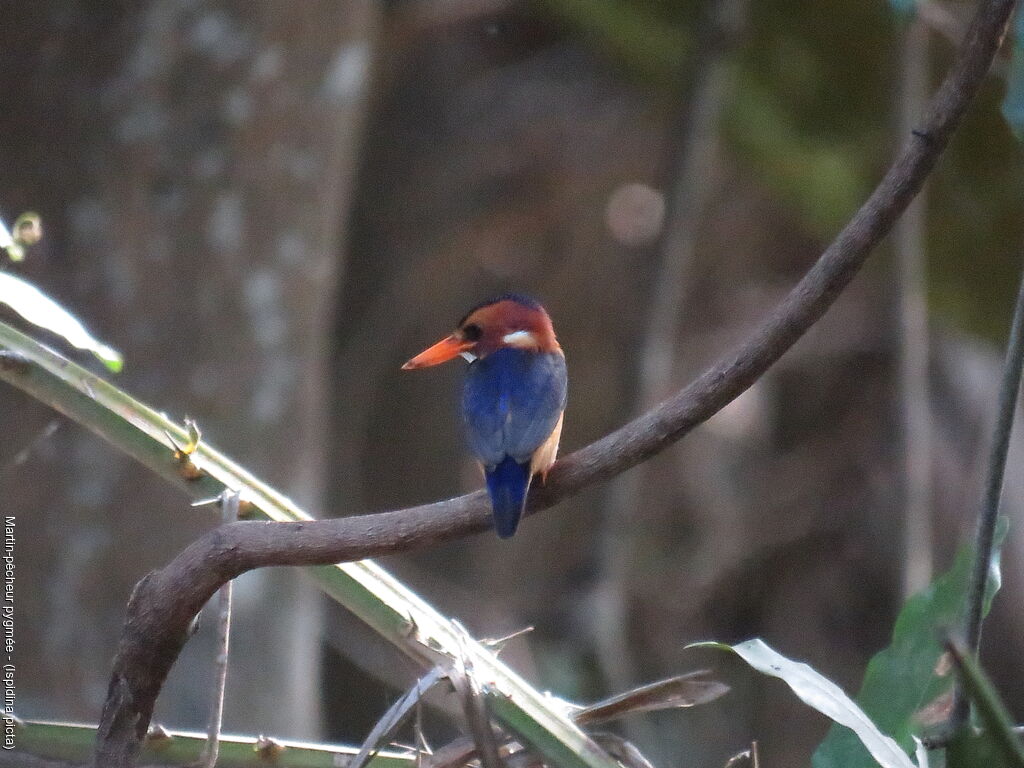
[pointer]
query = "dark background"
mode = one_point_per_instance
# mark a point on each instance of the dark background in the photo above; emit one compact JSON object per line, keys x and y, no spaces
{"x":269,"y":206}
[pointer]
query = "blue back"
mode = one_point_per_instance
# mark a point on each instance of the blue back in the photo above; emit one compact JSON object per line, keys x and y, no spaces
{"x":511,"y":402}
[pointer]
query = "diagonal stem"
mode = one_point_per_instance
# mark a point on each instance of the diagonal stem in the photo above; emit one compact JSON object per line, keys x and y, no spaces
{"x":1009,"y":389}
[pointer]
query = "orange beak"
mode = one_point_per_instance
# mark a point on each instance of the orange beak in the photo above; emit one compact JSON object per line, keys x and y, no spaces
{"x":442,"y":352}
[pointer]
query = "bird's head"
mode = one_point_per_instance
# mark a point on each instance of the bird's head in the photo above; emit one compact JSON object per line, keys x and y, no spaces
{"x":509,"y":320}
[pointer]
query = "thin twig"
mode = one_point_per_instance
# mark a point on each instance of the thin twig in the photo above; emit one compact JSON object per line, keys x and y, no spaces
{"x":686,"y":690}
{"x":229,"y":514}
{"x":1009,"y":388}
{"x":387,"y":726}
{"x":474,"y":705}
{"x":26,"y":453}
{"x":164,"y":603}
{"x":995,"y":719}
{"x":422,"y":745}
{"x":497,"y":644}
{"x":452,"y":755}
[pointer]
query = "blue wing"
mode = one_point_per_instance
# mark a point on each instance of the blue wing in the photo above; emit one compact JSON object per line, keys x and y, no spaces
{"x":511,"y":402}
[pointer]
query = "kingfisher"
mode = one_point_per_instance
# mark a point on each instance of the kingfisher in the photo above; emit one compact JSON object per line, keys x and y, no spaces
{"x":513,"y":397}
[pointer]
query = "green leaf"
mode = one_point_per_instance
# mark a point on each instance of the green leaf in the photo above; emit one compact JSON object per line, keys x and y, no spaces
{"x":997,"y":725}
{"x":823,"y":695}
{"x":971,"y":749}
{"x":39,"y":309}
{"x":902,"y":679}
{"x":1013,"y":101}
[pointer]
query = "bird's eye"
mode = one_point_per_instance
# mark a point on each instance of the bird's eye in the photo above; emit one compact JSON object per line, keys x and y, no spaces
{"x":472,"y":332}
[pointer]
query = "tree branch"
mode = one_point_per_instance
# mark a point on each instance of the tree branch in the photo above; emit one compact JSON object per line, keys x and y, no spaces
{"x":164,"y":602}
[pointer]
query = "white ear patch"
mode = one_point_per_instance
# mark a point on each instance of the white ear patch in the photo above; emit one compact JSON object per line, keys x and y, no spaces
{"x":520,"y":339}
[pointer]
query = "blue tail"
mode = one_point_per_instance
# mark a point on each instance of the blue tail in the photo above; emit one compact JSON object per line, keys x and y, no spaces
{"x":507,"y":483}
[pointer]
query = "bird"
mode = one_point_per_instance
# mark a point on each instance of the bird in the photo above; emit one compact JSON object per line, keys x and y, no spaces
{"x":513,"y":396}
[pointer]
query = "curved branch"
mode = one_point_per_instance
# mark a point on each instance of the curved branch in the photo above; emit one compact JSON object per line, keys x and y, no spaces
{"x":165,"y":602}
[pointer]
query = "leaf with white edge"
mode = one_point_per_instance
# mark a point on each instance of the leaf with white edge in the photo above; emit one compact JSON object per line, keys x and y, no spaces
{"x":39,"y":309}
{"x":823,"y":695}
{"x":909,"y":681}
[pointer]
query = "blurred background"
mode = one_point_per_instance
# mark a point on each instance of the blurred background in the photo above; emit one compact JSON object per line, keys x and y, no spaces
{"x":269,"y":206}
